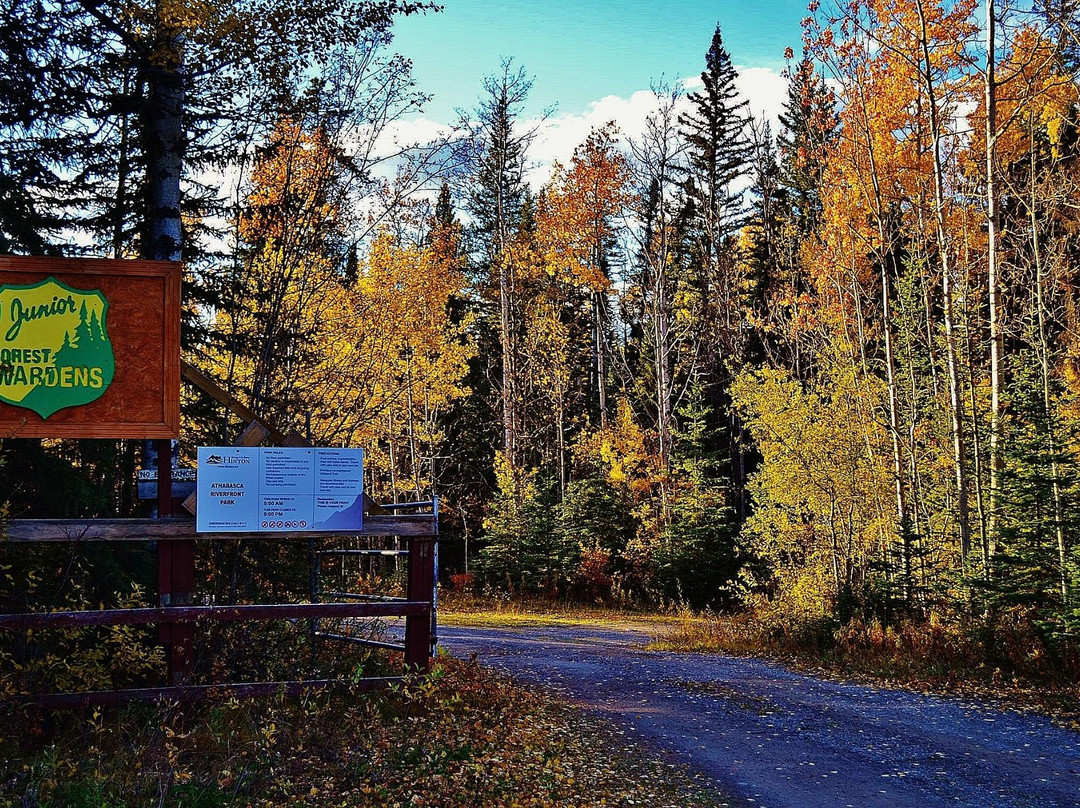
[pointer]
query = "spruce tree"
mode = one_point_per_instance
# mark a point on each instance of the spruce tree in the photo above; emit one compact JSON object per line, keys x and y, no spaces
{"x":764,"y":235}
{"x":719,"y":149}
{"x":1026,"y":566}
{"x":497,"y":205}
{"x":809,"y":124}
{"x":718,"y":156}
{"x":699,"y":559}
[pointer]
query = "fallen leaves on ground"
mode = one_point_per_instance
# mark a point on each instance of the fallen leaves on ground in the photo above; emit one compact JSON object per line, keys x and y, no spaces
{"x":464,"y":736}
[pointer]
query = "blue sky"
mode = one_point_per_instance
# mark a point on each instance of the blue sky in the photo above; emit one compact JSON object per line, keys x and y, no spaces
{"x":581,"y":52}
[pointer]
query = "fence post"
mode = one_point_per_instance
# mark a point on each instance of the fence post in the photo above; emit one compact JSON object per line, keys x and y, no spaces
{"x":421,"y":581}
{"x":176,"y":578}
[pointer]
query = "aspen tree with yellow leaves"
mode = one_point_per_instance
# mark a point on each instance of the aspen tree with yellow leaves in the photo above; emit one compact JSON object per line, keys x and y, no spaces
{"x":929,"y":311}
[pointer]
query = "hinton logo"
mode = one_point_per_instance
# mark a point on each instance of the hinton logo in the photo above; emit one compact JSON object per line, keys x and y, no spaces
{"x":54,"y":346}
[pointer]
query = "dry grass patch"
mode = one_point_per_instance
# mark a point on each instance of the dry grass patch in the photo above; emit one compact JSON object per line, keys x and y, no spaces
{"x":925,"y":657}
{"x":457,"y":610}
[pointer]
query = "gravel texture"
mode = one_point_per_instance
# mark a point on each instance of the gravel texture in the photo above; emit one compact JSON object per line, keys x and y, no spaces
{"x":774,"y":738}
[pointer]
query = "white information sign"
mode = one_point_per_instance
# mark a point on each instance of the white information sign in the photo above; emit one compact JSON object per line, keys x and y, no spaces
{"x":263,"y":489}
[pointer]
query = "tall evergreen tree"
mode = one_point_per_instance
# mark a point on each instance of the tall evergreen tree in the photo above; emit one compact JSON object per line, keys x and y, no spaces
{"x":719,"y":153}
{"x":496,"y":205}
{"x":808,"y":127}
{"x":1036,"y":476}
{"x":718,"y":149}
{"x":809,"y":124}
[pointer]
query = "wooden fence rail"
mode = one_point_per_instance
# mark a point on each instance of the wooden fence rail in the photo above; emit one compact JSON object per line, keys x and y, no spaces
{"x":420,"y":530}
{"x":198,"y":614}
{"x":68,"y":530}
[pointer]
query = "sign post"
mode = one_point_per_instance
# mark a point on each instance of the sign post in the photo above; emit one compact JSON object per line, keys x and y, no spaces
{"x":90,"y":348}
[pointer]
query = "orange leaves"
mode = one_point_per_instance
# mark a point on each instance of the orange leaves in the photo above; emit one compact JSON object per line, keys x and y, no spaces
{"x":576,"y":219}
{"x":292,"y":180}
{"x":1035,"y":96}
{"x":878,"y":184}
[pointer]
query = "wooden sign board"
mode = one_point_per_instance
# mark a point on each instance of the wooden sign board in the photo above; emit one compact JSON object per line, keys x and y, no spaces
{"x":89,"y":348}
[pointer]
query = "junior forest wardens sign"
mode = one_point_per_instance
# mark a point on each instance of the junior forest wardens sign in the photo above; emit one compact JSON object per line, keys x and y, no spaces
{"x":89,"y":348}
{"x":56,"y":351}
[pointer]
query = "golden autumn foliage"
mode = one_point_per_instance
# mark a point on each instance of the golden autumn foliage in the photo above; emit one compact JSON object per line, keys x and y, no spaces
{"x":822,"y":491}
{"x":359,"y":356}
{"x":576,"y":221}
{"x":621,"y":453}
{"x":878,"y":177}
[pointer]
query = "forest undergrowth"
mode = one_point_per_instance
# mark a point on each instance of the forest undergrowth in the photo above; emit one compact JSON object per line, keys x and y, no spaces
{"x":929,"y":656}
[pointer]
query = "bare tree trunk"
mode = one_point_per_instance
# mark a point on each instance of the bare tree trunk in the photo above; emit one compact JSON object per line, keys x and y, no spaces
{"x":976,"y":451}
{"x":976,"y":432}
{"x":413,"y":458}
{"x":506,"y":338}
{"x":955,"y":402}
{"x":992,"y":280}
{"x":393,"y":458}
{"x":560,"y":424}
{"x":165,"y":153}
{"x":894,"y":433}
{"x":885,"y":259}
{"x":123,"y":167}
{"x":663,"y":371}
{"x":601,"y":349}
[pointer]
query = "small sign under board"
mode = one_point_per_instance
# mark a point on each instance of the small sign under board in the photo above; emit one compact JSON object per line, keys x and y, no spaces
{"x":244,"y":490}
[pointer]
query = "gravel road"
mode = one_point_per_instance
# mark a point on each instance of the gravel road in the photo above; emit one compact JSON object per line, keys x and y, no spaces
{"x":773,"y":738}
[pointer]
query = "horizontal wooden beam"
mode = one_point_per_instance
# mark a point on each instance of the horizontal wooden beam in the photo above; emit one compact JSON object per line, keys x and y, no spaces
{"x":35,"y":530}
{"x":113,"y":698}
{"x":197,"y":614}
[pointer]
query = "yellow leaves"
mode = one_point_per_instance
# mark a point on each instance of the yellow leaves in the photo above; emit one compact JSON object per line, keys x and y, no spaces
{"x":879,"y":169}
{"x":822,"y":488}
{"x":292,"y":183}
{"x":1035,"y":97}
{"x":353,"y":344}
{"x":622,"y":453}
{"x":184,"y":15}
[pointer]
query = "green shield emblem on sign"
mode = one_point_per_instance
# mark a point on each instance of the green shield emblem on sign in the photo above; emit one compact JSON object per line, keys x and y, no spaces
{"x":54,"y":346}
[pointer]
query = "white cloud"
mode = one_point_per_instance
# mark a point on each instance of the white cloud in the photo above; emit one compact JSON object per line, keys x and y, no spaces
{"x":558,"y":136}
{"x":556,"y":139}
{"x":410,"y":132}
{"x":766,"y":91}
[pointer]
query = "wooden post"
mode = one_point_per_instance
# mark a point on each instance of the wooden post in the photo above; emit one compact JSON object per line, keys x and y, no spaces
{"x":314,"y":595}
{"x":176,"y":578}
{"x":421,"y":583}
